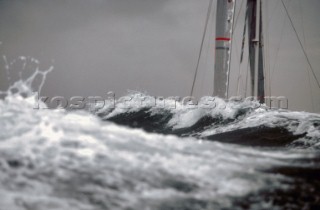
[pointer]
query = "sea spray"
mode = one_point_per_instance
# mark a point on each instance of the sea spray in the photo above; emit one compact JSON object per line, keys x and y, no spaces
{"x":59,"y":159}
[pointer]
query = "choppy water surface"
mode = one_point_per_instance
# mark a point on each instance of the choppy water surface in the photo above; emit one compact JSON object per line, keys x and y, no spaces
{"x":239,"y":157}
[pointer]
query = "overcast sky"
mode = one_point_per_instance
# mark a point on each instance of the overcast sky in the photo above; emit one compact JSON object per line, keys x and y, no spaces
{"x":98,"y":46}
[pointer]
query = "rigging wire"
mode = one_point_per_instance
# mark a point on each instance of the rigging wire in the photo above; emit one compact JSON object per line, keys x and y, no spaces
{"x":266,"y":44}
{"x":235,"y":25}
{"x":232,"y":32}
{"x":305,"y":44}
{"x":242,"y":46}
{"x":201,"y":47}
{"x":211,"y":25}
{"x":244,"y":35}
{"x":301,"y":45}
{"x":247,"y":75}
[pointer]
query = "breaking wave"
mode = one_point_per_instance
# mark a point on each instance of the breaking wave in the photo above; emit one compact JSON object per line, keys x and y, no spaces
{"x":238,"y":122}
{"x":59,"y":159}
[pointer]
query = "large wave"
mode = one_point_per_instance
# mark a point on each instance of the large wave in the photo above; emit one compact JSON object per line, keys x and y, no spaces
{"x":59,"y":159}
{"x":240,"y":122}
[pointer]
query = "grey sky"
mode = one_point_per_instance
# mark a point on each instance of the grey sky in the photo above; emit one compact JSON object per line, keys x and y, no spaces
{"x":151,"y":45}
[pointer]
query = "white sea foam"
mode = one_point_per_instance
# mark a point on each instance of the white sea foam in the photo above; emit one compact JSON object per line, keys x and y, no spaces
{"x":225,"y":116}
{"x":55,"y":159}
{"x":184,"y":114}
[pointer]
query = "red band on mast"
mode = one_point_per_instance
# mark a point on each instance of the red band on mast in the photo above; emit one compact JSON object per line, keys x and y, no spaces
{"x":223,"y":39}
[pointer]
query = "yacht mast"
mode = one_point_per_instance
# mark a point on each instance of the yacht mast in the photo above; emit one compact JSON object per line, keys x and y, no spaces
{"x":224,"y":26}
{"x":256,"y":49}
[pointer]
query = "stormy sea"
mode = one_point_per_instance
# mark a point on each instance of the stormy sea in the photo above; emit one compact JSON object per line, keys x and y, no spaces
{"x":135,"y":155}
